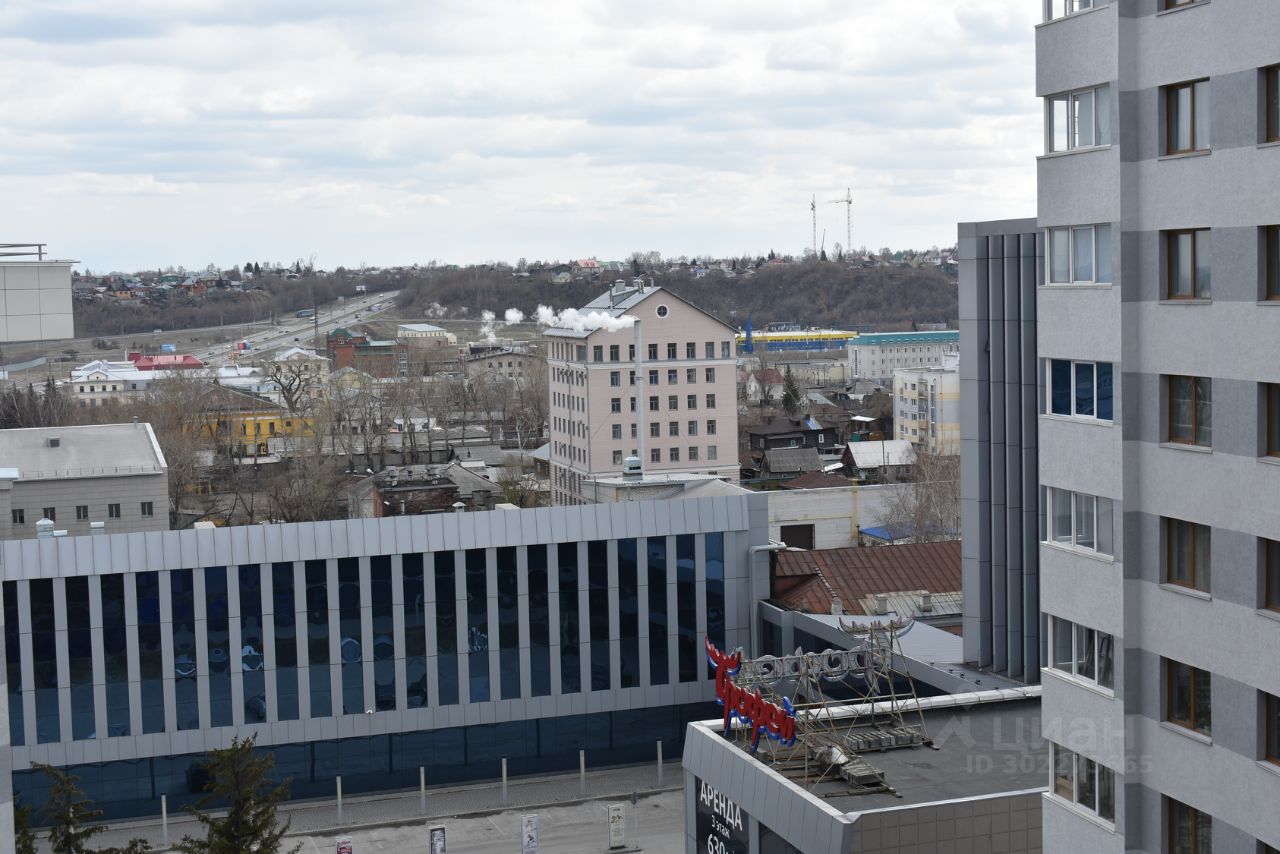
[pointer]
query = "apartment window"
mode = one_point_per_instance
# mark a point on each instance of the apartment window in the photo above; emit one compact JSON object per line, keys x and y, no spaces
{"x":1270,"y":571}
{"x":1271,"y":725}
{"x":19,"y":516}
{"x":724,"y":349}
{"x":1186,"y":117}
{"x":1187,"y":696}
{"x":711,"y":452}
{"x":633,"y":431}
{"x":711,"y":349}
{"x":617,"y":458}
{"x":690,"y":375}
{"x":113,"y":511}
{"x":617,"y":431}
{"x":631,"y":352}
{"x":711,"y":375}
{"x":1083,"y":782}
{"x":674,"y":455}
{"x":615,"y":404}
{"x":711,"y":401}
{"x":1077,"y":520}
{"x":692,"y":428}
{"x":614,"y":354}
{"x":147,"y":510}
{"x":50,"y":513}
{"x":673,"y":428}
{"x":672,"y":376}
{"x":671,"y":351}
{"x":653,"y":377}
{"x":82,"y":512}
{"x":690,"y":350}
{"x":1190,"y":410}
{"x":655,"y":430}
{"x":1190,"y":831}
{"x":1080,"y":389}
{"x":1186,"y":561}
{"x":597,"y":353}
{"x":711,"y":427}
{"x":1080,"y":254}
{"x":1187,"y":273}
{"x":1055,"y":9}
{"x":631,"y":379}
{"x":1271,"y":104}
{"x":655,"y":455}
{"x":693,"y":453}
{"x":1080,"y":119}
{"x":692,"y":401}
{"x":673,"y":402}
{"x":1082,"y":652}
{"x":615,"y":378}
{"x":1271,"y":262}
{"x":653,"y":403}
{"x":653,"y":352}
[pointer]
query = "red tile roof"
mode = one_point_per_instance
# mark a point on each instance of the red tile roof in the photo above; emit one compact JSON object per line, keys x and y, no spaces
{"x":807,"y":580}
{"x":816,"y":480}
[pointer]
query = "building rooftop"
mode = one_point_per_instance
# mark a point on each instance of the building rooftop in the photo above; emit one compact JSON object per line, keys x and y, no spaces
{"x":892,"y":338}
{"x":891,"y":452}
{"x":421,"y":327}
{"x":806,"y":580}
{"x":96,"y":450}
{"x":614,"y":303}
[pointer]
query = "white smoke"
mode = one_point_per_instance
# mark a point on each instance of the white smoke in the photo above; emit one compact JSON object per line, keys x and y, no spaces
{"x":582,"y":321}
{"x":512,"y":315}
{"x":489,"y":323}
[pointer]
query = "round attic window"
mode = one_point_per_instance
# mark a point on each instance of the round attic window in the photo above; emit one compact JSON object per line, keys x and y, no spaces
{"x":662,"y":311}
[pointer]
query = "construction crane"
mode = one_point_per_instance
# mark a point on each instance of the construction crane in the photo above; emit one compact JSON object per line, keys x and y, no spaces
{"x":813,"y":212}
{"x":847,"y":201}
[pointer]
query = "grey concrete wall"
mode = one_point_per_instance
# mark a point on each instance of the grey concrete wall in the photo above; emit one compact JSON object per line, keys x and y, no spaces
{"x":130,"y":491}
{"x":1000,"y":263}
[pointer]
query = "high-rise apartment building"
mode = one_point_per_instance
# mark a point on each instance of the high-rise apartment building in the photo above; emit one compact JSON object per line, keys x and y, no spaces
{"x":1158,"y":327}
{"x":640,"y":372}
{"x":926,"y":406}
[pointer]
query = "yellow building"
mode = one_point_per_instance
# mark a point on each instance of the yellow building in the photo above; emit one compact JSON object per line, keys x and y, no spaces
{"x":246,"y":422}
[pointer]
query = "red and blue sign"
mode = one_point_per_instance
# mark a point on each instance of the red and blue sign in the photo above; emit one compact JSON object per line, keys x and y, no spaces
{"x":750,"y":707}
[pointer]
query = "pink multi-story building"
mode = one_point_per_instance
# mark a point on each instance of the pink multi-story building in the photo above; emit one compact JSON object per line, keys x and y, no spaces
{"x":640,"y":372}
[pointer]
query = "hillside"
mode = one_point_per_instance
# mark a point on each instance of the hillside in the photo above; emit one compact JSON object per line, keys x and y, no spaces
{"x":816,"y":294}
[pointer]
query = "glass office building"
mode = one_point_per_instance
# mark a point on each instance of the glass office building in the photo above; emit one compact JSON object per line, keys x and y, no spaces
{"x":367,"y":648}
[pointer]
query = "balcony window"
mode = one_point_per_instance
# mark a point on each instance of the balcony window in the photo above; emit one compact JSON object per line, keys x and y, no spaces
{"x":1271,"y":262}
{"x":1187,"y":697}
{"x":1055,"y":9}
{"x":1082,"y":652}
{"x":1271,"y":103}
{"x":1080,"y":389}
{"x":1270,"y":587}
{"x":1080,"y":254}
{"x":1271,"y":420}
{"x":1186,"y":107}
{"x":1190,"y":416}
{"x":1080,"y":119}
{"x":1190,"y":831}
{"x":1083,"y":782}
{"x":1187,"y":274}
{"x":1077,"y":520}
{"x":1187,"y":549}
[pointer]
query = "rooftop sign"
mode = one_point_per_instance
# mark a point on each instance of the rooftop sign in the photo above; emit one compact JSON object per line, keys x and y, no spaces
{"x":750,"y":707}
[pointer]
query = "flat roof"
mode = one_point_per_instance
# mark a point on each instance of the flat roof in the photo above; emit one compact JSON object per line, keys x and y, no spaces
{"x":91,"y":450}
{"x":984,"y":749}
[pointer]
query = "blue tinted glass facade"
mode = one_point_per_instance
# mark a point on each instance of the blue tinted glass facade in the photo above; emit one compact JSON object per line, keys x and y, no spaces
{"x":13,"y":664}
{"x":714,"y":546}
{"x":415,"y":632}
{"x":182,"y":603}
{"x":351,"y":646}
{"x":446,"y":628}
{"x":508,"y":624}
{"x":80,"y":658}
{"x":150,"y":657}
{"x":285,"y":627}
{"x":598,"y":612}
{"x":659,"y":667}
{"x":686,"y":609}
{"x":384,"y":644}
{"x":44,"y":653}
{"x":253,"y":677}
{"x":217,"y":627}
{"x":115,"y":654}
{"x":477,"y":626}
{"x":570,"y":658}
{"x":539,"y":623}
{"x":318,"y":639}
{"x":628,"y":614}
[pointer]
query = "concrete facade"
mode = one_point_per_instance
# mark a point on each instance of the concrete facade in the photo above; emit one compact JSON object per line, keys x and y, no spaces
{"x":35,"y":300}
{"x":678,"y":415}
{"x":1131,"y":190}
{"x":876,"y":355}
{"x":926,"y":407}
{"x":837,"y":515}
{"x":1000,"y":263}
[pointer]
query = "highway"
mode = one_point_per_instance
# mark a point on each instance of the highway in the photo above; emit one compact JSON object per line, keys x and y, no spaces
{"x":299,"y":330}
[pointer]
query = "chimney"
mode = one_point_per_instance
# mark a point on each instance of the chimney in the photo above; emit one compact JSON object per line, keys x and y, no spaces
{"x":44,"y":529}
{"x":882,"y":604}
{"x":926,"y":601}
{"x":837,"y":607}
{"x":459,"y":507}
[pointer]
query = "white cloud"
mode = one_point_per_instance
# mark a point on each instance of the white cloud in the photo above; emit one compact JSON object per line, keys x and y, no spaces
{"x":478,"y":129}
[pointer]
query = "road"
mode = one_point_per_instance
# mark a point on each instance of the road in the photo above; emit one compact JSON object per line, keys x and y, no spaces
{"x":295,"y":330}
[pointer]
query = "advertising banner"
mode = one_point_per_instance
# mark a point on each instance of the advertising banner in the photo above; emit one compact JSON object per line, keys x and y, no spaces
{"x":529,"y":835}
{"x":721,"y":824}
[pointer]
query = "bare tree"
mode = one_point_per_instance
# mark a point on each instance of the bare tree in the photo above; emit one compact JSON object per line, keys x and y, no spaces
{"x":928,"y":502}
{"x":309,"y":491}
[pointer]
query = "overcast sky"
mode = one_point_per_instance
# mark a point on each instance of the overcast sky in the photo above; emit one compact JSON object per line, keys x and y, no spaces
{"x":141,"y":133}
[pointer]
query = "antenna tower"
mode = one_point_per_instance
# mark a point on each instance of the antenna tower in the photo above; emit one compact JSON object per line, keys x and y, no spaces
{"x":813,"y":212}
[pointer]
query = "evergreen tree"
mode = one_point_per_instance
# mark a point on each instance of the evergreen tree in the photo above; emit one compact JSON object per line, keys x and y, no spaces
{"x":792,"y":396}
{"x":257,"y":270}
{"x":68,"y":810}
{"x":242,"y":781}
{"x":24,"y":838}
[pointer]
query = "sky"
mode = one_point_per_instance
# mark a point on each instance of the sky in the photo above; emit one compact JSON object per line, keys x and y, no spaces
{"x":147,"y":133}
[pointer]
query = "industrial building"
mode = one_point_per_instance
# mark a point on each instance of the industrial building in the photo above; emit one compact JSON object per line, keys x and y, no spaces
{"x":37,"y":294}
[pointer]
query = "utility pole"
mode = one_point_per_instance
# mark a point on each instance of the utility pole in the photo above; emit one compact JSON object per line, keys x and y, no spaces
{"x":813,"y":213}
